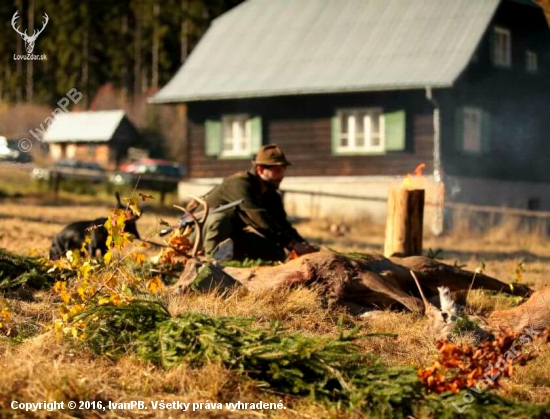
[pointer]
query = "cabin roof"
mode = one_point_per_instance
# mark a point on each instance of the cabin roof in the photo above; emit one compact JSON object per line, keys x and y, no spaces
{"x":91,"y":126}
{"x":269,"y":48}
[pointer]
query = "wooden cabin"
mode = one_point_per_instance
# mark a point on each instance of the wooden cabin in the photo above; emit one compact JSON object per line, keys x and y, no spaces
{"x":358,"y":93}
{"x":94,"y":136}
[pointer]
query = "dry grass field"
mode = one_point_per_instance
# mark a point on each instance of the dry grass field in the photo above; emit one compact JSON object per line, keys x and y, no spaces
{"x":42,"y":367}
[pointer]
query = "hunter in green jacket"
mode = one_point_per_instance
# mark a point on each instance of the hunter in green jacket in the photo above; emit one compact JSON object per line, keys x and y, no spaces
{"x":259,"y":226}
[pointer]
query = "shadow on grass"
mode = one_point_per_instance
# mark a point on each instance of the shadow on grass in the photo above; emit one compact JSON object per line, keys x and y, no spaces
{"x":489,"y":256}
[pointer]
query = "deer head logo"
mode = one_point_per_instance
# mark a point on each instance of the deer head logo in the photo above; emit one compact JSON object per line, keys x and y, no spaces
{"x":29,"y":40}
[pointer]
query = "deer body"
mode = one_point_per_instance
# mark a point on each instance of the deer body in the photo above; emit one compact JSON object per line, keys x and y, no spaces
{"x":373,"y":282}
{"x":535,"y":312}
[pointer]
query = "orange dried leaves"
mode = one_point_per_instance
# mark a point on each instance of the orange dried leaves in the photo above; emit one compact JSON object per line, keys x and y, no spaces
{"x":462,"y":366}
{"x":179,"y":244}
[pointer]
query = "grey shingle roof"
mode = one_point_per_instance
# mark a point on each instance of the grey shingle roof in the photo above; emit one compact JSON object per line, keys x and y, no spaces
{"x":96,"y":126}
{"x":279,"y":47}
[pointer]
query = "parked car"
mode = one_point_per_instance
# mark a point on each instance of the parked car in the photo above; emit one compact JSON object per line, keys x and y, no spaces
{"x":154,"y":174}
{"x":6,"y":153}
{"x":9,"y":151}
{"x":72,"y":169}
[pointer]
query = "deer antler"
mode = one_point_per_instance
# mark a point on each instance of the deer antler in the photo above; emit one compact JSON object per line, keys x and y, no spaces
{"x":427,"y":304}
{"x":14,"y":21}
{"x":198,"y":224}
{"x":205,"y":210}
{"x":34,"y":33}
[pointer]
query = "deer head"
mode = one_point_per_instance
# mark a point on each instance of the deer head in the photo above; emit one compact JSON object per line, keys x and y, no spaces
{"x":442,"y":321}
{"x":29,"y":40}
{"x":204,"y":276}
{"x":215,"y":279}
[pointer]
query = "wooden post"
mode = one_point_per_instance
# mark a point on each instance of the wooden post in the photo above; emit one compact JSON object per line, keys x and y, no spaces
{"x":405,"y":222}
{"x":54,"y":182}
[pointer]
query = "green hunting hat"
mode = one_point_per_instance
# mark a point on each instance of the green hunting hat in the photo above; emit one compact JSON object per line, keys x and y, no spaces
{"x":271,"y":155}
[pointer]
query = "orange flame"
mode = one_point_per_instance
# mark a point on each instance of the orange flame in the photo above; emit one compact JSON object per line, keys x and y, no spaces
{"x":408,"y":182}
{"x":419,"y":169}
{"x":293,"y":255}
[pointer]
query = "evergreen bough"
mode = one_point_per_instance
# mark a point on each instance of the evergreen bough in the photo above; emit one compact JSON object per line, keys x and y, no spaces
{"x":329,"y":370}
{"x":16,"y":270}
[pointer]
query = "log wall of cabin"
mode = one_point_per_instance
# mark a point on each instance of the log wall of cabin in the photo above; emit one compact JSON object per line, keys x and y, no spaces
{"x":301,"y":126}
{"x":517,"y":103}
{"x":94,"y":152}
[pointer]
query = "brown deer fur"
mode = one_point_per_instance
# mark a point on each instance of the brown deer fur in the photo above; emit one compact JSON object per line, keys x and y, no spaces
{"x":535,"y":312}
{"x":372,"y":281}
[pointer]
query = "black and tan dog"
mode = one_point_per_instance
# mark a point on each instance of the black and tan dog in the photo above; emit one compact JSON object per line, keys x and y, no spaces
{"x":73,"y":235}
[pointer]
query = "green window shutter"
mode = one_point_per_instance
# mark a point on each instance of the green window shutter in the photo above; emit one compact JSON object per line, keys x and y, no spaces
{"x":256,"y":128}
{"x":459,"y":129}
{"x":394,"y":126}
{"x":485,"y":131}
{"x":213,"y":137}
{"x":335,"y":134}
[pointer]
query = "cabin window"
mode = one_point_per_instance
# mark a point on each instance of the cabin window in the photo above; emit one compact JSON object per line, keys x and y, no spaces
{"x":361,"y":130}
{"x":473,"y":130}
{"x":368,"y":131}
{"x":237,"y":135}
{"x":531,"y":60}
{"x":502,"y":47}
{"x":471,"y":137}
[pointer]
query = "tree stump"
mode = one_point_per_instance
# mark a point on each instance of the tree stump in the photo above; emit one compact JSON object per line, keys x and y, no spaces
{"x":404,"y":222}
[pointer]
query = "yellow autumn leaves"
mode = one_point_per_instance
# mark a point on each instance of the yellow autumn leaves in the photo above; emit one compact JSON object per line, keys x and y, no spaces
{"x":5,"y":319}
{"x":109,"y":280}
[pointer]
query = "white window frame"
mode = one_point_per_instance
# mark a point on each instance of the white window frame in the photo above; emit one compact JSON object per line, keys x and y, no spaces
{"x":468,"y":145}
{"x":239,"y":143}
{"x":531,"y":61}
{"x":502,"y":47}
{"x":367,"y":135}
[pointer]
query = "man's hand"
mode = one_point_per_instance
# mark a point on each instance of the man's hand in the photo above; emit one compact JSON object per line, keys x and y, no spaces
{"x":302,"y":248}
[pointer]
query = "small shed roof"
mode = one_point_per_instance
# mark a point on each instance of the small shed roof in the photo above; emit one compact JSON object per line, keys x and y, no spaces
{"x":90,"y":126}
{"x":268,"y":48}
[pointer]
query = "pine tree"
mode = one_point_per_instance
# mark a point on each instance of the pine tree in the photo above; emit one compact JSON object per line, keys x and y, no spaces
{"x":132,"y":44}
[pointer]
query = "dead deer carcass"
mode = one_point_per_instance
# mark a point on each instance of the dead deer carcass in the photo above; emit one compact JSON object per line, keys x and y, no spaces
{"x":74,"y":234}
{"x":378,"y":283}
{"x":368,"y":281}
{"x":373,"y":281}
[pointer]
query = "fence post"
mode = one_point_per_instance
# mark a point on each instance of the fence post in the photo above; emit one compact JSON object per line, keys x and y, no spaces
{"x":404,"y":222}
{"x":54,"y":183}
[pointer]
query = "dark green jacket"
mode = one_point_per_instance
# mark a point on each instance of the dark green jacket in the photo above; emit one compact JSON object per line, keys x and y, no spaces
{"x":262,"y":207}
